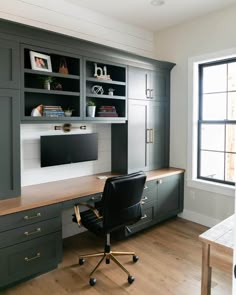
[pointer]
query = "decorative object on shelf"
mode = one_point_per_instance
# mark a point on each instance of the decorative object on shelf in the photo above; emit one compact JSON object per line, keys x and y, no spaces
{"x":67,"y":127}
{"x":56,"y":86}
{"x":107,"y":111}
{"x":47,"y":80}
{"x":111,"y":91}
{"x":63,"y":66}
{"x":96,"y":89}
{"x":53,"y":111}
{"x":68,"y":112}
{"x":100,"y":73}
{"x":40,"y":62}
{"x":91,"y":108}
{"x":38,"y":111}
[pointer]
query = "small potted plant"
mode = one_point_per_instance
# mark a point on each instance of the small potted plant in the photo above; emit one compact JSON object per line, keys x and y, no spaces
{"x":47,"y":80}
{"x":68,"y":112}
{"x":91,"y":108}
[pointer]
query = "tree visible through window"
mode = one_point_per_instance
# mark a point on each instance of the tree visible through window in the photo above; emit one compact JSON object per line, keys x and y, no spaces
{"x":217,"y":121}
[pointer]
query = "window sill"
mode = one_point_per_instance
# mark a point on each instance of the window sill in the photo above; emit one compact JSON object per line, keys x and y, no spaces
{"x":217,"y":188}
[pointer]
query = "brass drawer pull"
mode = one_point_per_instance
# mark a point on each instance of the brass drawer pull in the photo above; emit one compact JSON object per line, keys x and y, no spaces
{"x":144,"y":216}
{"x":27,"y":259}
{"x":32,"y":217}
{"x":38,"y":230}
{"x":143,"y":200}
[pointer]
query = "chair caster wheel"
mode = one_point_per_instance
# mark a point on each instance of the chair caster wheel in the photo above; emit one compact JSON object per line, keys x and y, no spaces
{"x":107,"y":261}
{"x":81,"y":261}
{"x":135,"y":258}
{"x":130,"y":279}
{"x":92,"y":281}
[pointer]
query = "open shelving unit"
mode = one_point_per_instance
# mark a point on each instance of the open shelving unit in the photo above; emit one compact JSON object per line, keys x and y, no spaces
{"x":117,"y":82}
{"x":64,"y":91}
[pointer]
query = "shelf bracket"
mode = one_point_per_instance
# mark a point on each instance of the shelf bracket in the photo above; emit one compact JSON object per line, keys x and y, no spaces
{"x":67,"y":127}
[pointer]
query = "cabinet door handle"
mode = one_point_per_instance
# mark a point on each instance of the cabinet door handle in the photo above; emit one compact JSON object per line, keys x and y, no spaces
{"x":152,"y":135}
{"x":147,"y":135}
{"x":144,"y":216}
{"x":143,"y":200}
{"x":146,"y":187}
{"x":146,"y":89}
{"x":38,"y":230}
{"x":32,"y":217}
{"x":151,"y":93}
{"x":159,"y":181}
{"x":27,"y":259}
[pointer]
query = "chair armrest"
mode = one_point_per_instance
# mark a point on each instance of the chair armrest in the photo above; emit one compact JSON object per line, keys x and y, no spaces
{"x":77,"y":212}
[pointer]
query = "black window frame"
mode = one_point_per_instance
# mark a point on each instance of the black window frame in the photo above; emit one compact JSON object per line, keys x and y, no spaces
{"x":201,"y":121}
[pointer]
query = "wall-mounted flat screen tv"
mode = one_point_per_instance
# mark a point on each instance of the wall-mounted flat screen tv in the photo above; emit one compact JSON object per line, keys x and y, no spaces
{"x":66,"y":149}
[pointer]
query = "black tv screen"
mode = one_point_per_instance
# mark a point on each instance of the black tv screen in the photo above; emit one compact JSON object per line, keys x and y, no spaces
{"x":66,"y":149}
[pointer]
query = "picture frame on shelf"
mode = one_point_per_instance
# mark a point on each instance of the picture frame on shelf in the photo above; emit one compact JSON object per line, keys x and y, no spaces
{"x":40,"y":62}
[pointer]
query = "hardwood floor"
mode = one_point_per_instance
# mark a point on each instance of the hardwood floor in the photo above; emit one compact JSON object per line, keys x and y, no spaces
{"x":170,"y":263}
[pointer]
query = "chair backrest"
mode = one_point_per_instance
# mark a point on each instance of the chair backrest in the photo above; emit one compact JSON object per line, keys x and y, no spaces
{"x":121,"y":200}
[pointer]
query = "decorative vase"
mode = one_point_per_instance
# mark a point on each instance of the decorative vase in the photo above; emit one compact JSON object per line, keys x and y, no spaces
{"x":47,"y":85}
{"x":91,"y":111}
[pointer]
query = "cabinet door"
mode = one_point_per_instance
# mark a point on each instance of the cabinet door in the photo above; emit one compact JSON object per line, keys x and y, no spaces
{"x":160,"y":85}
{"x":9,"y":61}
{"x":137,"y":125}
{"x":158,"y":135}
{"x":9,"y":144}
{"x":137,"y":83}
{"x":169,"y":196}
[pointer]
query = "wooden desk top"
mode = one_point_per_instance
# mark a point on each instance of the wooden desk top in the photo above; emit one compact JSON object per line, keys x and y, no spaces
{"x":34,"y":196}
{"x":221,"y":235}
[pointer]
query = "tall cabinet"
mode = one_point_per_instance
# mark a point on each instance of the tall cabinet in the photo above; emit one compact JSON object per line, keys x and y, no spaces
{"x":144,"y":140}
{"x":10,"y":119}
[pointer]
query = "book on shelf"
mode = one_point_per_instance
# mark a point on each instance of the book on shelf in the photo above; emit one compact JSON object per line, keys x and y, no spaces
{"x":53,"y":111}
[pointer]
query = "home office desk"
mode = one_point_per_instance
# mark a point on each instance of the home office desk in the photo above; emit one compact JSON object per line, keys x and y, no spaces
{"x":31,"y":224}
{"x":221,"y":239}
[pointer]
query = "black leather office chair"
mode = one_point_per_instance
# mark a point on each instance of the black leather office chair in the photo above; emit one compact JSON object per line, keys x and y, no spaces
{"x":119,"y":207}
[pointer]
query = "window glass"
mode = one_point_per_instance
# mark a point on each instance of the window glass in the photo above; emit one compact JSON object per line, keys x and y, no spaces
{"x":232,"y":76}
{"x":215,"y":78}
{"x":212,"y":137}
{"x":214,"y":106}
{"x":212,"y":165}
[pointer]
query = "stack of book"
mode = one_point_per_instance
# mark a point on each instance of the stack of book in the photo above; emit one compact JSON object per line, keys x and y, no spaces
{"x":53,"y":111}
{"x":107,"y":111}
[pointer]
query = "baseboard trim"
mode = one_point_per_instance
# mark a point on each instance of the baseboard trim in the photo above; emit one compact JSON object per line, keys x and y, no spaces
{"x":199,"y":218}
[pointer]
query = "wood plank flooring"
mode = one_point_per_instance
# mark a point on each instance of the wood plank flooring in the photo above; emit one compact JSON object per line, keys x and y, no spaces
{"x":170,"y":263}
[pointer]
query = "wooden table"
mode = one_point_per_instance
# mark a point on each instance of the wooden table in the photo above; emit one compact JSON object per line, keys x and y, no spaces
{"x":218,"y":238}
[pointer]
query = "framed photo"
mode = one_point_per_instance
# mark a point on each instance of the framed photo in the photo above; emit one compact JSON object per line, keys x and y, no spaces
{"x":40,"y":62}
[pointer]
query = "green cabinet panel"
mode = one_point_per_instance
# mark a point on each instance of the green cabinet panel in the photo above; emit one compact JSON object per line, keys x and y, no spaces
{"x":162,"y":199}
{"x":148,"y":84}
{"x":143,"y":143}
{"x":10,"y":64}
{"x":31,"y":258}
{"x":10,"y":143}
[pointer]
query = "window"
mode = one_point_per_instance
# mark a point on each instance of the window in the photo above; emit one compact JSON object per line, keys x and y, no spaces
{"x":216,"y":154}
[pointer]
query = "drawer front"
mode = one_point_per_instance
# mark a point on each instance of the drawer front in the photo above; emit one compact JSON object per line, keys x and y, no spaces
{"x":29,"y":232}
{"x":31,"y":216}
{"x":30,"y":258}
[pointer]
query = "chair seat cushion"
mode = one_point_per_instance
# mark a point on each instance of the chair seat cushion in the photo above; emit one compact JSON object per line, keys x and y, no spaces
{"x":91,"y":222}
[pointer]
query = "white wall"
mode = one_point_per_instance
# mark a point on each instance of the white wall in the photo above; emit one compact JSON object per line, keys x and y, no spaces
{"x":32,"y":173}
{"x":212,"y":33}
{"x":64,"y":16}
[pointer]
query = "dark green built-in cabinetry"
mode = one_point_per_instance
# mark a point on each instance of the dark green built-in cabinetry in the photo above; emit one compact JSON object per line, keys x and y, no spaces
{"x":31,"y":241}
{"x":10,"y":119}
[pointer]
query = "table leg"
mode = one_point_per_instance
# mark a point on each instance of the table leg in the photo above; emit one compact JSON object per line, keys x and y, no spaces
{"x":206,"y":270}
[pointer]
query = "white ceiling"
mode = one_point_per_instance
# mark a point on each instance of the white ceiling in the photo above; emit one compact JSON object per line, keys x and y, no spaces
{"x":141,"y":13}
